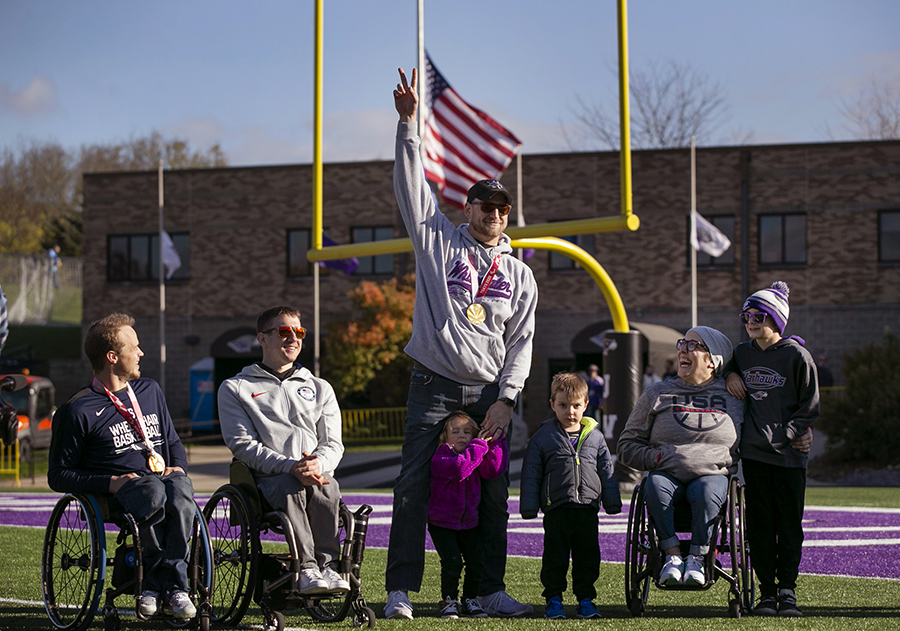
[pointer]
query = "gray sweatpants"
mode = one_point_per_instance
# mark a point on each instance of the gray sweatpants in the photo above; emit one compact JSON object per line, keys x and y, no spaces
{"x":313,"y":512}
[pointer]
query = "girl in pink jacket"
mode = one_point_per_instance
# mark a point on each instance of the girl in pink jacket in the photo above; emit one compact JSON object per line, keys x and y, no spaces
{"x":458,"y":466}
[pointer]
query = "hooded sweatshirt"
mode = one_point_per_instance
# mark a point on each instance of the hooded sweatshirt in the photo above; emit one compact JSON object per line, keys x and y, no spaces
{"x":456,"y":481}
{"x":450,"y":266}
{"x":685,"y":430}
{"x":783,"y":400}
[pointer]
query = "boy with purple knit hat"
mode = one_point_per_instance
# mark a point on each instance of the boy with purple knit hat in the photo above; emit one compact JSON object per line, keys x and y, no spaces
{"x":779,"y":375}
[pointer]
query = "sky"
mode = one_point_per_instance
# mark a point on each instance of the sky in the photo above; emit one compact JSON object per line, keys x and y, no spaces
{"x":240,"y":73}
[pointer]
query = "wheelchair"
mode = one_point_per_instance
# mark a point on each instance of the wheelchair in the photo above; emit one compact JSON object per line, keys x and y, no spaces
{"x":644,"y":559}
{"x":237,"y":514}
{"x":74,"y":564}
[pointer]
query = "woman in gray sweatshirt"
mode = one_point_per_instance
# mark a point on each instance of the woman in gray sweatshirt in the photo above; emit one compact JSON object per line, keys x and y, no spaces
{"x":686,"y":433}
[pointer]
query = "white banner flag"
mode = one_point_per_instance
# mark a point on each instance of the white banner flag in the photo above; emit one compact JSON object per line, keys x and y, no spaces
{"x":705,"y":237}
{"x":171,"y":260}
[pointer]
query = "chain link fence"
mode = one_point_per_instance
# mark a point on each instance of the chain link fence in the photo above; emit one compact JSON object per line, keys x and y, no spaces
{"x":38,"y":293}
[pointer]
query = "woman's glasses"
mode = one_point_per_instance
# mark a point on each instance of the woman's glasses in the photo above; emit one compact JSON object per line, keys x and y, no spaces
{"x":285,"y":331}
{"x":690,"y":345}
{"x":758,"y":316}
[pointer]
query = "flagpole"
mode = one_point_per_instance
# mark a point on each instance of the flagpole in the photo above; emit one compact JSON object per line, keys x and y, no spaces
{"x":162,"y":290}
{"x":317,"y":180}
{"x":520,"y":218}
{"x":693,"y":232}
{"x":423,"y":80}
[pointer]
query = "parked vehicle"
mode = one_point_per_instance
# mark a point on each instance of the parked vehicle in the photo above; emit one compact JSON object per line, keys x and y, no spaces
{"x":35,"y":407}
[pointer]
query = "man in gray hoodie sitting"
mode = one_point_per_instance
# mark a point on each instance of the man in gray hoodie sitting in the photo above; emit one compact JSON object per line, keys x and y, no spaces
{"x":473,"y":326}
{"x":285,"y":424}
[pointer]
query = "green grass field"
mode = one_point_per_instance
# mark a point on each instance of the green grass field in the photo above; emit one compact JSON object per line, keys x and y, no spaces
{"x":830,"y":603}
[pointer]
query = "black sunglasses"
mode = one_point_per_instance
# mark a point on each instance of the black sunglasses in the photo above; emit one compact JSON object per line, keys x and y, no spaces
{"x":690,"y":345}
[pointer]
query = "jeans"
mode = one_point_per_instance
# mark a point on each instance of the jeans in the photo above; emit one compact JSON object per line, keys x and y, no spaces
{"x":571,"y":531}
{"x":164,"y":511}
{"x":775,"y":497}
{"x":431,"y":398}
{"x":313,"y":512}
{"x":456,"y":547}
{"x":706,"y":495}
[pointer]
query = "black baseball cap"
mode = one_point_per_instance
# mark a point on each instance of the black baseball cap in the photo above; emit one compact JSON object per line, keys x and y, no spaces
{"x":484,"y":190}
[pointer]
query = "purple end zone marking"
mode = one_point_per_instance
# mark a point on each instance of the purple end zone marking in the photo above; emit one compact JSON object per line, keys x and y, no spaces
{"x":850,"y":542}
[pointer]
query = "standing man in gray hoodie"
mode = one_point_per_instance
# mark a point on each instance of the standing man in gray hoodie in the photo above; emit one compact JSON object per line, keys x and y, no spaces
{"x":285,"y":424}
{"x":472,"y":336}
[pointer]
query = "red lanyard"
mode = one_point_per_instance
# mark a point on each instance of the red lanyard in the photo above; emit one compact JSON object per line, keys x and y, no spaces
{"x":135,"y":419}
{"x":486,"y":283}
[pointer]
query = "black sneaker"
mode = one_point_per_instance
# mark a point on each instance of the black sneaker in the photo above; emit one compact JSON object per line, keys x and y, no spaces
{"x":767,"y":606}
{"x":787,"y":604}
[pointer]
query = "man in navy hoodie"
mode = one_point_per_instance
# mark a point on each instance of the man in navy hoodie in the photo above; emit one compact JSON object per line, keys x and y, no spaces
{"x":115,"y":437}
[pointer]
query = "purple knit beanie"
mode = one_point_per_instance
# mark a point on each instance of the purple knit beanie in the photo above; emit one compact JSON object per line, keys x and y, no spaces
{"x":774,"y":302}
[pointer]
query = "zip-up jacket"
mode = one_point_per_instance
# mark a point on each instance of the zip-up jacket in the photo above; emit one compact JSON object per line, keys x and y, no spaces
{"x":456,"y":481}
{"x":556,"y":474}
{"x":268,"y":424}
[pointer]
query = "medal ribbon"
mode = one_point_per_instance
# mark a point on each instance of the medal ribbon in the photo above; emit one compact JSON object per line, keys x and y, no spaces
{"x":136,"y":419}
{"x":486,"y":283}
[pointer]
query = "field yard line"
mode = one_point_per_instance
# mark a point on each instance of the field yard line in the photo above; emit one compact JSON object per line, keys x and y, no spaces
{"x":852,"y":529}
{"x":846,"y":543}
{"x":853,"y":509}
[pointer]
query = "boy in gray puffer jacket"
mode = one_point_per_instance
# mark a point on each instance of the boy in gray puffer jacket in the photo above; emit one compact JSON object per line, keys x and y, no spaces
{"x":568,"y":472}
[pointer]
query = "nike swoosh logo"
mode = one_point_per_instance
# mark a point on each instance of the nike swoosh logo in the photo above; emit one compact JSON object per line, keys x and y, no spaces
{"x":101,"y":411}
{"x":259,"y":395}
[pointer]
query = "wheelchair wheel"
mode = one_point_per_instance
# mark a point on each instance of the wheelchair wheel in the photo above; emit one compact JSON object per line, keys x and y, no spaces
{"x":365,"y":617}
{"x":200,"y":574}
{"x":232,"y":533}
{"x":73,"y":563}
{"x":637,"y":548}
{"x":740,"y":549}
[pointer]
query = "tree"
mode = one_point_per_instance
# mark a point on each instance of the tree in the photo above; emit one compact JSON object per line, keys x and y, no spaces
{"x":875,"y":113}
{"x":863,"y":425}
{"x":365,"y":359}
{"x":669,"y":104}
{"x":41,"y":185}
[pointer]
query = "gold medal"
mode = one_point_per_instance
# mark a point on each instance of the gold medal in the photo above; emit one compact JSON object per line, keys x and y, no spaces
{"x":475,"y":313}
{"x":156,"y":462}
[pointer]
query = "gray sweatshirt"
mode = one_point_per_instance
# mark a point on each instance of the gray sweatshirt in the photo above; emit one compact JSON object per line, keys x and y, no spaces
{"x":443,"y":339}
{"x":685,"y":430}
{"x":268,"y":424}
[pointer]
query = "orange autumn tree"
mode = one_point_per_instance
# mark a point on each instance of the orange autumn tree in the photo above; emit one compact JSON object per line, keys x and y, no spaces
{"x":365,"y":360}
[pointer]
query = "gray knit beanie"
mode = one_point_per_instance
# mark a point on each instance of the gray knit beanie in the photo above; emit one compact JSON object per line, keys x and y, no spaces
{"x":720,"y":348}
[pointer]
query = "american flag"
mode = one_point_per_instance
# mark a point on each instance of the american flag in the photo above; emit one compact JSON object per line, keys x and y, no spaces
{"x":461,"y":143}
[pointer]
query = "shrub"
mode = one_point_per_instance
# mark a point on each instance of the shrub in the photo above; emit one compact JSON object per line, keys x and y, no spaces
{"x":864,"y":423}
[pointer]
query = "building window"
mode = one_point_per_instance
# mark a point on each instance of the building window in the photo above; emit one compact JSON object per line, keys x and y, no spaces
{"x":382,"y":264}
{"x":725,"y":223}
{"x":298,"y":242}
{"x":561,"y":263}
{"x":889,"y":236}
{"x":782,"y":239}
{"x":135,"y":257}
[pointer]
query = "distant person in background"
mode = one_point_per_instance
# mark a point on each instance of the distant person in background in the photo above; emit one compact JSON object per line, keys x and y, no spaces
{"x":595,"y":393}
{"x":669,"y":372}
{"x":4,"y":320}
{"x":53,"y":255}
{"x":826,"y":379}
{"x":650,"y":376}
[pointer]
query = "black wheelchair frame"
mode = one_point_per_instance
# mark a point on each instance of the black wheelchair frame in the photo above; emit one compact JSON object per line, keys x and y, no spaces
{"x":74,"y":563}
{"x":644,"y":559}
{"x":237,"y":514}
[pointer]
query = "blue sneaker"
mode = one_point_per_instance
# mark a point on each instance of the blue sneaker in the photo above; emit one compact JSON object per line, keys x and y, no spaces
{"x":586,"y":610}
{"x":554,"y":610}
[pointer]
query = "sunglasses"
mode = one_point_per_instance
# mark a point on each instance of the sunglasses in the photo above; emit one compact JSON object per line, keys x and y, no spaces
{"x":690,"y":345}
{"x":759,"y":317}
{"x":489,"y":207}
{"x":285,"y":331}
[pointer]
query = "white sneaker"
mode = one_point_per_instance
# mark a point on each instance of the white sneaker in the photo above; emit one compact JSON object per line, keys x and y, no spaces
{"x":149,"y":603}
{"x":179,"y":606}
{"x":336,"y":582}
{"x":503,"y":605}
{"x":450,"y":609}
{"x":398,"y":606}
{"x":311,"y":581}
{"x":693,"y":570}
{"x":672,"y":570}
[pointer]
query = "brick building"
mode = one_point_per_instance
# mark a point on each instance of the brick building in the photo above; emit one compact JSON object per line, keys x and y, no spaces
{"x":823,"y":217}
